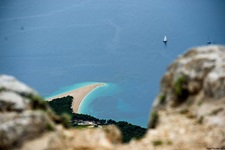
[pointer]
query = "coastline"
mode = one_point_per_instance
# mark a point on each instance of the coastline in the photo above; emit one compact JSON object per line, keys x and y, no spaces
{"x":78,"y":95}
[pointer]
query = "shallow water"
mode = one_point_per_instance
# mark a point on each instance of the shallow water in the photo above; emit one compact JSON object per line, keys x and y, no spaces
{"x":53,"y":44}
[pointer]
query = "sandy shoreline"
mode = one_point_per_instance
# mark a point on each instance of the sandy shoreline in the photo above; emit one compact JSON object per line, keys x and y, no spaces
{"x":78,"y":95}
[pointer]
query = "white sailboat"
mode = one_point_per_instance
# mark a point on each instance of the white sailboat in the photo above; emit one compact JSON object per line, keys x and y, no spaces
{"x":165,"y":39}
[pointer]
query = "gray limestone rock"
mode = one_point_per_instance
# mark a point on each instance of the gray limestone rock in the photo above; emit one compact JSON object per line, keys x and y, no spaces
{"x":11,"y":101}
{"x":194,"y":78}
{"x":18,"y":122}
{"x":22,"y":127}
{"x":10,"y":83}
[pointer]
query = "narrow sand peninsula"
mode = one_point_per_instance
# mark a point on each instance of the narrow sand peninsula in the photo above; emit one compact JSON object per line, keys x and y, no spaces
{"x":78,"y":95}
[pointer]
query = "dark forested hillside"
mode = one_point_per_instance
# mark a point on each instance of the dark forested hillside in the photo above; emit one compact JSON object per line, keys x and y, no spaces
{"x":63,"y":106}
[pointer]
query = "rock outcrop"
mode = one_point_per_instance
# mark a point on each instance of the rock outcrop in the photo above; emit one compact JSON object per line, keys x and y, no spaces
{"x":190,"y":108}
{"x":18,"y":119}
{"x":84,"y":139}
{"x":195,"y":84}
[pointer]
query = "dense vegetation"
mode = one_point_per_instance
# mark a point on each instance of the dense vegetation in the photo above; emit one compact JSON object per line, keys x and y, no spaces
{"x":130,"y":131}
{"x":62,"y":106}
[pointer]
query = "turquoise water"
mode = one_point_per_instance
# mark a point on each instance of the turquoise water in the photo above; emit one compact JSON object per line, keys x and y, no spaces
{"x":108,"y":89}
{"x":50,"y":44}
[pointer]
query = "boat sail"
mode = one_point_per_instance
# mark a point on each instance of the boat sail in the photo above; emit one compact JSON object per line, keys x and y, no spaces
{"x":165,"y":39}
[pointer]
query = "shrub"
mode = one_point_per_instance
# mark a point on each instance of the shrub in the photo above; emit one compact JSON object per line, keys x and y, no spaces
{"x":200,"y":120}
{"x":162,"y":99}
{"x":39,"y":103}
{"x":157,"y":143}
{"x":1,"y":89}
{"x":65,"y":120}
{"x":50,"y":127}
{"x":180,"y":88}
{"x":36,"y":101}
{"x":169,"y":142}
{"x":200,"y":103}
{"x":154,"y":119}
{"x":216,"y":111}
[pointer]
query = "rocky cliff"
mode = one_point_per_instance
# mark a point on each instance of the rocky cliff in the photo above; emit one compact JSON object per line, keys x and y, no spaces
{"x":190,"y":107}
{"x":194,"y":84}
{"x":188,"y":113}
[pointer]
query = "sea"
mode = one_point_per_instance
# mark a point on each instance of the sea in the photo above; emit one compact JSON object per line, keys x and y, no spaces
{"x":55,"y":46}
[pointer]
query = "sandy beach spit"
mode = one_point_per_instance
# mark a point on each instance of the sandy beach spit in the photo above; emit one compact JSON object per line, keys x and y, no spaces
{"x":78,"y":95}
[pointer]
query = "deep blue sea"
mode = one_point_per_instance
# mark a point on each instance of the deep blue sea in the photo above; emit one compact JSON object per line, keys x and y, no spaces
{"x":53,"y":44}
